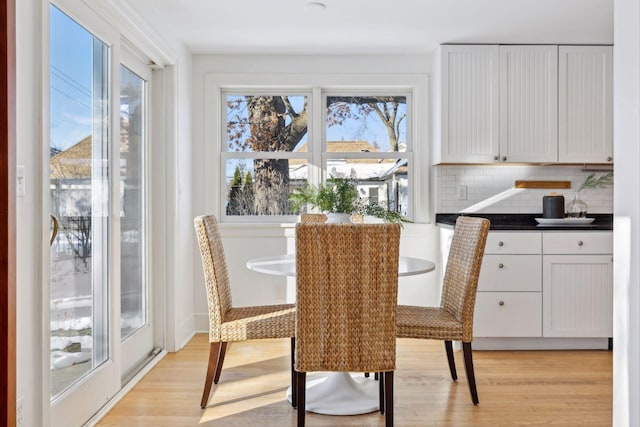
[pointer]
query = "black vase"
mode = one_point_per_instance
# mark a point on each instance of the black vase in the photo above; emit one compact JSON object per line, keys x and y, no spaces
{"x":553,"y":207}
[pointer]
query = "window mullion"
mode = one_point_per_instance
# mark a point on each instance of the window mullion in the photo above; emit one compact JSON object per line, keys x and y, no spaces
{"x":317,"y":167}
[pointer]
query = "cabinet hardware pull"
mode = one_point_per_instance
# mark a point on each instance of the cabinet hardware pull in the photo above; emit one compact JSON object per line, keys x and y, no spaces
{"x":580,"y":243}
{"x":504,"y":158}
{"x":501,"y":303}
{"x":496,"y":158}
{"x":500,"y":243}
{"x":501,"y":265}
{"x":609,"y":159}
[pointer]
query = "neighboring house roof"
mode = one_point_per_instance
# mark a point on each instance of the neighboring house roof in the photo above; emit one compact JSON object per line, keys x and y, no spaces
{"x":74,"y":162}
{"x":355,"y":146}
{"x":362,"y":168}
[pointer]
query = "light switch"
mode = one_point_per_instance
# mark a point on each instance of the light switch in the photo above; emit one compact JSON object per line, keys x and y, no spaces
{"x":20,"y":185}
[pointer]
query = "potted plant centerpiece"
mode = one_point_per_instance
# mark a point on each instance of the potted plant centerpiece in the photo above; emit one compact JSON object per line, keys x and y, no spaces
{"x":339,"y":199}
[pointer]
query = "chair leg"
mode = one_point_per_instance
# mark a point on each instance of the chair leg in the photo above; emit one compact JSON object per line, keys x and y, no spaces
{"x":381,"y":391}
{"x":223,"y":350}
{"x":294,"y":382}
{"x":468,"y":366}
{"x":452,"y":363}
{"x":301,"y":378}
{"x":214,"y":351}
{"x":388,"y":397}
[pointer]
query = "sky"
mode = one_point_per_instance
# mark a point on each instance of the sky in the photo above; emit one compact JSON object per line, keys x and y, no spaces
{"x":71,"y":81}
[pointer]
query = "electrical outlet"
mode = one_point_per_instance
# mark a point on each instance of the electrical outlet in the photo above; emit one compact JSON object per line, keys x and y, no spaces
{"x":462,"y":192}
{"x":20,"y":412}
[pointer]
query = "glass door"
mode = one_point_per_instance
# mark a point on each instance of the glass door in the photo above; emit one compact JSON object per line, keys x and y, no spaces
{"x":81,"y":362}
{"x":136,"y":332}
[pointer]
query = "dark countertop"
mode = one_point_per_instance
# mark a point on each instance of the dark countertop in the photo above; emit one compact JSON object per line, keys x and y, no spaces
{"x":603,"y":222}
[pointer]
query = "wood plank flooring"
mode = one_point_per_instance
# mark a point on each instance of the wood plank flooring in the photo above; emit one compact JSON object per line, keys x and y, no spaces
{"x":516,"y":388}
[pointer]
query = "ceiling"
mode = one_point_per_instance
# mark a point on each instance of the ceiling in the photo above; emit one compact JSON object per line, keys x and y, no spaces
{"x":374,"y":26}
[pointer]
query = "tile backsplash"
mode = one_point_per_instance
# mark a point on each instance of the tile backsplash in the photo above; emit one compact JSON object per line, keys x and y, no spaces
{"x":490,"y":189}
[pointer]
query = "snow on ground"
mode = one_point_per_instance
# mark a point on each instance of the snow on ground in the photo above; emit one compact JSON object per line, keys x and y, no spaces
{"x":62,"y":359}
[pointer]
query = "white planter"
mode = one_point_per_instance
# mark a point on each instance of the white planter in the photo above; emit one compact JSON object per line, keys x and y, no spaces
{"x":338,"y":218}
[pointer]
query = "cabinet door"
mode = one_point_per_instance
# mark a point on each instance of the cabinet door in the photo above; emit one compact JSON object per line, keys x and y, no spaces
{"x":511,"y":273}
{"x":513,"y":242}
{"x":585,"y":104}
{"x":508,"y":314}
{"x":577,"y":295}
{"x":469,"y":103}
{"x":529,"y":103}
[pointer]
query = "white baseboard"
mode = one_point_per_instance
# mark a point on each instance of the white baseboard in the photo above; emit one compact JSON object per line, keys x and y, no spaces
{"x":540,"y":344}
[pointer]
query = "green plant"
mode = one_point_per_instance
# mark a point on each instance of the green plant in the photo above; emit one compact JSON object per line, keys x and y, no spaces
{"x":338,"y":195}
{"x":382,"y":212}
{"x":600,"y":182}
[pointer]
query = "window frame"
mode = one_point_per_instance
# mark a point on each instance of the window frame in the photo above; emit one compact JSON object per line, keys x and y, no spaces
{"x":414,"y":86}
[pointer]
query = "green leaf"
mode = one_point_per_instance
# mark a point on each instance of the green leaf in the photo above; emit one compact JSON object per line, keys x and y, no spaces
{"x":600,"y":182}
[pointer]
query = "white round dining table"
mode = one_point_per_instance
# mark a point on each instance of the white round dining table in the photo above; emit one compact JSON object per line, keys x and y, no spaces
{"x":337,"y":393}
{"x":285,"y":265}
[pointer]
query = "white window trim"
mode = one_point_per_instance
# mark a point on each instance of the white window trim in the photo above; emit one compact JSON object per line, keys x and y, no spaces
{"x":414,"y":84}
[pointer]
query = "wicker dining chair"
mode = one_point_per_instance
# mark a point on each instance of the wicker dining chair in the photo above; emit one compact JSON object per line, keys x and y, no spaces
{"x":453,"y":320}
{"x":346,"y":300}
{"x":228,"y":323}
{"x":313,"y":217}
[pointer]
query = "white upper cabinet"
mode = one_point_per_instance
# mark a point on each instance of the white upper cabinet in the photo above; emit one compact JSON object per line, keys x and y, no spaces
{"x":469,"y":103}
{"x":528,"y":103}
{"x":585,"y":104}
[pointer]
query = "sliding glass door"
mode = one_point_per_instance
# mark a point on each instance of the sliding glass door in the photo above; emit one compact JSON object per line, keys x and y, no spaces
{"x":81,"y":366}
{"x":136,"y":332}
{"x":101,"y":331}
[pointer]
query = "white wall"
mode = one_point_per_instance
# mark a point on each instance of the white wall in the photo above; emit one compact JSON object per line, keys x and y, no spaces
{"x":242,"y":241}
{"x":180,"y":190}
{"x":626,"y":339}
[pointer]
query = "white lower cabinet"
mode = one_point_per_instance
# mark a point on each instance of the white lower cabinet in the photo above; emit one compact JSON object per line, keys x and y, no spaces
{"x":509,"y":298}
{"x":578,"y":287}
{"x":508,"y":314}
{"x":546,"y":289}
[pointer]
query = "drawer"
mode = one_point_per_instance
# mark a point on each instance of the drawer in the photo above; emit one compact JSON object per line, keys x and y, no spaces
{"x":510,"y":273}
{"x":513,"y":243}
{"x":593,"y":242}
{"x":508,"y":314}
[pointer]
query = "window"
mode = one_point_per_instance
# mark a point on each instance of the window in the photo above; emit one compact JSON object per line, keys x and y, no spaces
{"x":270,"y":148}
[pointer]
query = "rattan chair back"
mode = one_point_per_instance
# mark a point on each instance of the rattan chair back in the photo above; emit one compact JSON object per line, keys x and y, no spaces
{"x":216,"y":276}
{"x":463,"y":269}
{"x":347,"y":287}
{"x":313,"y":217}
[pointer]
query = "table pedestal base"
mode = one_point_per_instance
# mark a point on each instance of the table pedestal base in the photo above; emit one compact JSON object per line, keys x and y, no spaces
{"x":341,"y":393}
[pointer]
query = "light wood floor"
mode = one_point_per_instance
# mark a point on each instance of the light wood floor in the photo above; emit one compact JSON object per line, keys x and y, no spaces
{"x":516,"y":388}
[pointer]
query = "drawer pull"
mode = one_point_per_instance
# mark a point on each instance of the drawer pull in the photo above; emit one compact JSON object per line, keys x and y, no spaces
{"x":496,"y":158}
{"x":501,"y":303}
{"x":500,"y":243}
{"x":501,"y":265}
{"x":504,"y":158}
{"x":609,"y":159}
{"x":580,"y":243}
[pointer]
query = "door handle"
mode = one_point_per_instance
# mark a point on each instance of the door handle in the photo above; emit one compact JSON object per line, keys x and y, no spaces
{"x":54,"y":232}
